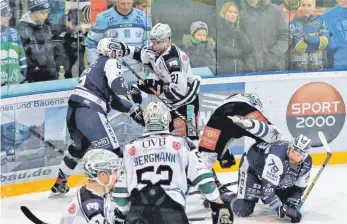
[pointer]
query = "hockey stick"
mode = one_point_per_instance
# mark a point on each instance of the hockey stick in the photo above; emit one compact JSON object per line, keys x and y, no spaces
{"x":31,"y":216}
{"x":327,"y":148}
{"x":196,"y":219}
{"x":26,"y":211}
{"x":158,"y":95}
{"x":48,"y":143}
{"x":38,"y":135}
{"x":223,"y":185}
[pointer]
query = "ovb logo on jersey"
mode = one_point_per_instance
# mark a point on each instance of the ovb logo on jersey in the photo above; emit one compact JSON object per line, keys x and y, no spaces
{"x":314,"y":107}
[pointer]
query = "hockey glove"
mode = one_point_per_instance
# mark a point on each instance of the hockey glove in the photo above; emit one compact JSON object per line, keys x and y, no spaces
{"x":135,"y":94}
{"x":157,"y":85}
{"x":287,"y":210}
{"x":243,"y":122}
{"x":119,"y":217}
{"x":227,"y":160}
{"x":222,"y":213}
{"x":137,"y":114}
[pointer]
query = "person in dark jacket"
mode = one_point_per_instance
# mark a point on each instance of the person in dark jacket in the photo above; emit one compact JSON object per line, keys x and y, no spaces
{"x":199,"y":47}
{"x":36,"y":37}
{"x":266,"y":27}
{"x":69,"y":43}
{"x":233,"y":45}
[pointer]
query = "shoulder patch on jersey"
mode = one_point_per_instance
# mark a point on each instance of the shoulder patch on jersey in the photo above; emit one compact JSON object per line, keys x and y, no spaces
{"x":72,"y":208}
{"x":257,"y":115}
{"x":176,"y":145}
{"x":173,"y":64}
{"x":210,"y":138}
{"x":92,"y":204}
{"x":273,"y":169}
{"x":172,"y":60}
{"x":132,"y":150}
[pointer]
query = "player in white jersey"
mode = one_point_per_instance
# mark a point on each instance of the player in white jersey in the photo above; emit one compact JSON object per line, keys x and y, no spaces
{"x":92,"y":203}
{"x":175,"y":80}
{"x":157,"y":169}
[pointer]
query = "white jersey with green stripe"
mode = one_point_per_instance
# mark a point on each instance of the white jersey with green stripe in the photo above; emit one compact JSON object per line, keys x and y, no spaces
{"x":161,"y":158}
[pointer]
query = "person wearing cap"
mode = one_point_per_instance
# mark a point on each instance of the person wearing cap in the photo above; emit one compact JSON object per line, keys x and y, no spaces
{"x":199,"y":47}
{"x":36,"y":36}
{"x":69,"y":42}
{"x":291,"y":8}
{"x":13,"y":60}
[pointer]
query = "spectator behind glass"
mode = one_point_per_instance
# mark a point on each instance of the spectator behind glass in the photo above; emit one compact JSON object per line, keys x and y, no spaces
{"x":36,"y":37}
{"x":310,"y":38}
{"x":13,"y":60}
{"x":122,"y":22}
{"x":336,"y":22}
{"x":291,"y":8}
{"x":69,"y":43}
{"x":199,"y":47}
{"x":144,"y":5}
{"x":233,"y":45}
{"x":266,"y":27}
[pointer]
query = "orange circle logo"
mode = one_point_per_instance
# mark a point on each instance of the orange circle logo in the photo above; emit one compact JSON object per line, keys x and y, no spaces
{"x":314,"y":107}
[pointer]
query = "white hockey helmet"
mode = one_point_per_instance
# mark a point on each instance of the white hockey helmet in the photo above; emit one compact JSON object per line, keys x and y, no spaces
{"x":160,"y":33}
{"x":100,"y":160}
{"x":107,"y":46}
{"x":301,"y":145}
{"x":157,"y":117}
{"x":255,"y":101}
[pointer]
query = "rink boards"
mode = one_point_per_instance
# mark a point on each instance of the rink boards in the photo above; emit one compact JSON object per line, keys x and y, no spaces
{"x":296,"y":103}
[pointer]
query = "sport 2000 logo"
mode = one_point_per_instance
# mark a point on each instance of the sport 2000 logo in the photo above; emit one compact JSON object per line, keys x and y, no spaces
{"x":314,"y":107}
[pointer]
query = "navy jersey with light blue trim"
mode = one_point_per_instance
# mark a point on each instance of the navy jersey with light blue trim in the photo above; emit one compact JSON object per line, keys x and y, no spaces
{"x":270,"y":163}
{"x":99,"y":84}
{"x":132,"y":29}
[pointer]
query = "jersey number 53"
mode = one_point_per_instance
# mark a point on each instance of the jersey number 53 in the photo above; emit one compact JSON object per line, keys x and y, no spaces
{"x":162,"y":168}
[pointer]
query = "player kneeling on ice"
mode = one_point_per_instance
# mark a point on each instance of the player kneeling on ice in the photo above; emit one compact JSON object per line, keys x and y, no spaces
{"x":175,"y":81}
{"x":158,"y":167}
{"x":93,"y":204}
{"x":278,"y":174}
{"x":91,"y":100}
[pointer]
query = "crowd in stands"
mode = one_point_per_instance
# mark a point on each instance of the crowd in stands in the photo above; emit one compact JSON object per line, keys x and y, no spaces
{"x":250,"y":36}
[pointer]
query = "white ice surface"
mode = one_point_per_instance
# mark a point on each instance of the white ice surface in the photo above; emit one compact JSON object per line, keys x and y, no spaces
{"x":326,"y":204}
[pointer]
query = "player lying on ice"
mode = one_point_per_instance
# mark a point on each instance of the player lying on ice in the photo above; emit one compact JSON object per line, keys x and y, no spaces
{"x":91,"y":100}
{"x":278,"y":174}
{"x":92,"y":203}
{"x":157,"y":168}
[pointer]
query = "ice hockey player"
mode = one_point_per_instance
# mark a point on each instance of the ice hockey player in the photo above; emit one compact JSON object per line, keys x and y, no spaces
{"x":238,"y":116}
{"x":174,"y":78}
{"x":157,"y":169}
{"x":93,"y":203}
{"x":96,"y":93}
{"x":278,"y":174}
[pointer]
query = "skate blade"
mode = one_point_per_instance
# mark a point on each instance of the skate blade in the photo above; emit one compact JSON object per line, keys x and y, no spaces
{"x":56,"y":195}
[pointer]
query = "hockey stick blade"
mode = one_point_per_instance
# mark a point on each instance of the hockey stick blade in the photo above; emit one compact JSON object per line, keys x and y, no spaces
{"x":223,"y":185}
{"x":31,"y":216}
{"x":324,"y":141}
{"x":327,"y":158}
{"x":196,"y":219}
